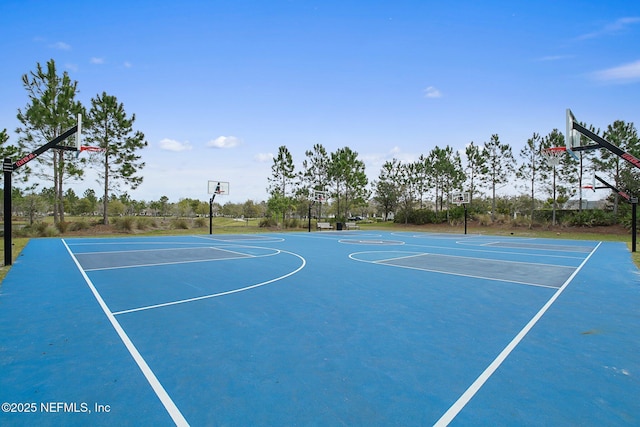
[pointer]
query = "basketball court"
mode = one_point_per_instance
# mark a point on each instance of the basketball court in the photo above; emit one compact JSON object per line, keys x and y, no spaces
{"x":322,"y":328}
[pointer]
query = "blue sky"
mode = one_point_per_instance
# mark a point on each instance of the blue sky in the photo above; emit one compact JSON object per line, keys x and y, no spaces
{"x":218,"y":86}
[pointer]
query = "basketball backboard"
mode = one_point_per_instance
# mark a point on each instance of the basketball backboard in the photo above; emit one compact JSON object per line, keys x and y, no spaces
{"x":572,"y":136}
{"x":319,"y":196}
{"x":460,"y":198}
{"x":79,"y":134}
{"x":218,"y":187}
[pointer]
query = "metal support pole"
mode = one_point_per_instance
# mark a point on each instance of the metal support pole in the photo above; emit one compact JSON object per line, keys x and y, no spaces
{"x":211,"y":213}
{"x":634,"y":204}
{"x":465,"y":218}
{"x":7,"y":167}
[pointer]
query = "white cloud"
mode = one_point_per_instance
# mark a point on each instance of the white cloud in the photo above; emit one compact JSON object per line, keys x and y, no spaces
{"x":127,"y":64}
{"x":61,"y":46}
{"x":615,"y":27}
{"x":224,"y":142}
{"x":623,"y":73}
{"x":95,"y":60}
{"x":173,"y":145}
{"x":263,"y":157}
{"x":432,"y":92}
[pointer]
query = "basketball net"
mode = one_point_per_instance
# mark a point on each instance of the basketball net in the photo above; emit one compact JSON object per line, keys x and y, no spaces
{"x":553,"y":155}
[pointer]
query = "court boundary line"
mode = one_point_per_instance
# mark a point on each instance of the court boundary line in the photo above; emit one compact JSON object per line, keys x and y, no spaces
{"x":471,"y":391}
{"x":153,"y":381}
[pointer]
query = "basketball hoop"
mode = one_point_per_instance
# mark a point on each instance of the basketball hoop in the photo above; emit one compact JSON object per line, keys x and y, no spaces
{"x":553,"y":155}
{"x":90,"y":149}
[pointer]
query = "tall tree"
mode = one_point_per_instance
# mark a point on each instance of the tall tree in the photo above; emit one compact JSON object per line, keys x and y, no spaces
{"x":315,"y":170}
{"x":109,"y":128}
{"x":408,"y":185}
{"x":51,"y":110}
{"x":476,"y":166}
{"x":347,"y":173}
{"x":500,"y":167}
{"x":424,"y":173}
{"x":529,"y":169}
{"x":387,"y":189}
{"x":561,"y":181}
{"x":314,"y":175}
{"x":447,"y":172}
{"x":282,"y":176}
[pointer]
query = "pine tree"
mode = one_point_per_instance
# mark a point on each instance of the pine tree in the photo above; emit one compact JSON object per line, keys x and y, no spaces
{"x":109,"y":128}
{"x":500,"y":167}
{"x":52,"y":109}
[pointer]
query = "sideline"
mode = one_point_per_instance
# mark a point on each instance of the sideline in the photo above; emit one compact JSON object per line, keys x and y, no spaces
{"x":462,"y":401}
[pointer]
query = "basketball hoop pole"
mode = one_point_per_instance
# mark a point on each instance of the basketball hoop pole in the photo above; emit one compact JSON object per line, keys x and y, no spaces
{"x":313,"y":202}
{"x":213,"y":196}
{"x":8,"y":166}
{"x":465,"y":217}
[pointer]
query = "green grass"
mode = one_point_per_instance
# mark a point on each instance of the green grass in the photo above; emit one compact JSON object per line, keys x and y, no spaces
{"x":18,"y":245}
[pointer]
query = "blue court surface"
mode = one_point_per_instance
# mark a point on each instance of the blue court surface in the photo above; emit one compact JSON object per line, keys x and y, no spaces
{"x":327,"y":328}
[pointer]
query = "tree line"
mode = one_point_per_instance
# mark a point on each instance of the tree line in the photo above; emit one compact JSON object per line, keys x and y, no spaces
{"x":480,"y":169}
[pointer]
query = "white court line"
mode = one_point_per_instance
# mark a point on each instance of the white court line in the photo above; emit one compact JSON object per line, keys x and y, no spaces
{"x":261,"y":238}
{"x":233,"y":291}
{"x":462,"y":401}
{"x":466,"y":248}
{"x":389,"y":263}
{"x":452,"y":273}
{"x":164,"y":249}
{"x":242,"y":256}
{"x":141,"y":242}
{"x":506,"y":261}
{"x":332,"y":235}
{"x":153,"y":381}
{"x":120,"y":267}
{"x":505,"y":245}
